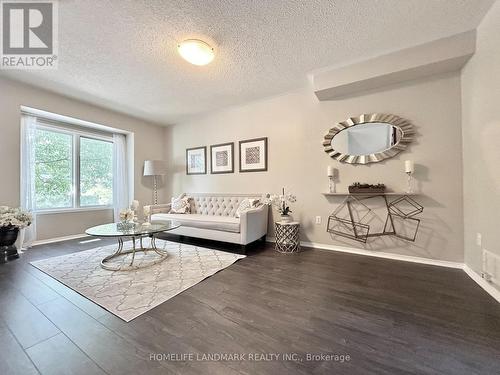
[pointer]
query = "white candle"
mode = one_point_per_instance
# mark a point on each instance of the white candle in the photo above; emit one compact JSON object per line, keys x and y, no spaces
{"x":409,"y":166}
{"x":135,"y":204}
{"x":330,"y":171}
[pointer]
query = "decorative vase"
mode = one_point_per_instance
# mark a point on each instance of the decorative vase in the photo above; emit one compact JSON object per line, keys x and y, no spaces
{"x":126,"y":225}
{"x":286,"y":218}
{"x":8,"y":235}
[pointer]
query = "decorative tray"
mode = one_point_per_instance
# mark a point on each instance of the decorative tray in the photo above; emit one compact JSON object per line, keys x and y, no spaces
{"x":366,"y":188}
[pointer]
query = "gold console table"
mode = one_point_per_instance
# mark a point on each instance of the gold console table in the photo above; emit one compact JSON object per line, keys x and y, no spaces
{"x":403,"y":207}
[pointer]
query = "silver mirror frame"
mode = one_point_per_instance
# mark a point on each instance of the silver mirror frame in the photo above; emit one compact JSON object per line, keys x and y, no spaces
{"x":405,"y":126}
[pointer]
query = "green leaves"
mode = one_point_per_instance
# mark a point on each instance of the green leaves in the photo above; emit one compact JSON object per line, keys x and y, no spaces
{"x":53,"y":169}
{"x":96,"y":172}
{"x":55,"y":178}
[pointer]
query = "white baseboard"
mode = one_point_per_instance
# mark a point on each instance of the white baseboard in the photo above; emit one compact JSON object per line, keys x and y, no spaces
{"x":488,"y":287}
{"x":58,"y":239}
{"x":405,"y":258}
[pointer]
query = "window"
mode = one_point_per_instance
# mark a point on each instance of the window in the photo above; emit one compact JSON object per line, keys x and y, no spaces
{"x":96,"y":172}
{"x":53,"y":169}
{"x":73,"y":169}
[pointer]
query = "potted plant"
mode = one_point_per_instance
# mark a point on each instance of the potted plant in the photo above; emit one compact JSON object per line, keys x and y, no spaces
{"x":282,"y":204}
{"x":11,"y":221}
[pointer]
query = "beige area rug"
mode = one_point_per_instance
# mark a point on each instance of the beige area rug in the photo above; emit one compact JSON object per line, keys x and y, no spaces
{"x":131,"y":292}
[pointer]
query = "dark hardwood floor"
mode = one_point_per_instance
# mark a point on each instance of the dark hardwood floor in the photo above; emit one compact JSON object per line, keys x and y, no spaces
{"x":389,"y":317}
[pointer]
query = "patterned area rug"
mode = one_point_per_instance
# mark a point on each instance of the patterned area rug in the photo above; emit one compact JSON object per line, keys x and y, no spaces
{"x":132,"y":291}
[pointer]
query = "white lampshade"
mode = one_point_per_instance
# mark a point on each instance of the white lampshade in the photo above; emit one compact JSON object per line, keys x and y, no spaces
{"x":155,"y":168}
{"x":330,"y":171}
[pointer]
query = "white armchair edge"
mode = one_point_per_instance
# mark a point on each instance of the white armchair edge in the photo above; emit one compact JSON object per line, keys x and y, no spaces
{"x":158,"y":208}
{"x":254,"y":224}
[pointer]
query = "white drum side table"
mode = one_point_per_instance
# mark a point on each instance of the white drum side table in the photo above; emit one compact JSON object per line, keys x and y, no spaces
{"x":287,"y":237}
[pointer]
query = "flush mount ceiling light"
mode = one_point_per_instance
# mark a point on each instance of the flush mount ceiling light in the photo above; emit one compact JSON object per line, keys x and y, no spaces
{"x":196,"y":51}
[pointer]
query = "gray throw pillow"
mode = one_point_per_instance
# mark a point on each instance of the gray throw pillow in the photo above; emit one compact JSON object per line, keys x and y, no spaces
{"x":247,"y":204}
{"x":180,"y":205}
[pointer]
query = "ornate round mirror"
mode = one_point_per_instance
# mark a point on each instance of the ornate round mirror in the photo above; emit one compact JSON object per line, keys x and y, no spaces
{"x":368,"y":138}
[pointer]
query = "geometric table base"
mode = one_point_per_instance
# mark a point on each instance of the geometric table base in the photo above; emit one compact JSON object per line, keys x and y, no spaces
{"x":400,"y":211}
{"x":287,"y":237}
{"x":405,"y":230}
{"x":346,"y":228}
{"x":405,"y":207}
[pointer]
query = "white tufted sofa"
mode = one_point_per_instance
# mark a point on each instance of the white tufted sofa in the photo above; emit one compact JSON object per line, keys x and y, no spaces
{"x":213,"y":216}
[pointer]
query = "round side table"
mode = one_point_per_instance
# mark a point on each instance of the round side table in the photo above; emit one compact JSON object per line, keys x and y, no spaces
{"x":287,"y":237}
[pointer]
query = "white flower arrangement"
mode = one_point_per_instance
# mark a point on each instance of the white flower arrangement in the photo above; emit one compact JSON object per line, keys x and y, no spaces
{"x":281,"y":201}
{"x":14,"y":217}
{"x":127,"y":215}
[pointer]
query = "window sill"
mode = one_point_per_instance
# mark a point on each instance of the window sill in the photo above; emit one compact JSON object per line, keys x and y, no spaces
{"x":72,"y":210}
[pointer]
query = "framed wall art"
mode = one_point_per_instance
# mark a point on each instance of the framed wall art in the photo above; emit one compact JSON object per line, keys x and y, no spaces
{"x":222,"y":158}
{"x":196,"y":160}
{"x":253,"y":155}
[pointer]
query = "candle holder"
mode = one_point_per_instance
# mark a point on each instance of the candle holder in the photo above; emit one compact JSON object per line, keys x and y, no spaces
{"x":146,"y":210}
{"x":331,"y":184}
{"x":409,"y":168}
{"x":330,"y":172}
{"x":134,"y":206}
{"x":409,"y":187}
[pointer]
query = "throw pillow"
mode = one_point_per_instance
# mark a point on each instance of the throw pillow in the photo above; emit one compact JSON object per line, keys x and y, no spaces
{"x":247,"y":204}
{"x":180,"y":205}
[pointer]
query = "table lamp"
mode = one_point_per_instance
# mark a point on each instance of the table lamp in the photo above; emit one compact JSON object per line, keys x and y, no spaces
{"x":155,"y":168}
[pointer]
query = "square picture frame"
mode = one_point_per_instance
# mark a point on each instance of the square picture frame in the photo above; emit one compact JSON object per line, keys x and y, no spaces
{"x":253,"y":155}
{"x":222,"y":158}
{"x":196,"y":160}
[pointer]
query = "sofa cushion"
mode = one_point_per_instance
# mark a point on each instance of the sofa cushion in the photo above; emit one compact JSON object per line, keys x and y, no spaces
{"x":245,"y":205}
{"x":180,"y":205}
{"x":216,"y":205}
{"x":222,"y":223}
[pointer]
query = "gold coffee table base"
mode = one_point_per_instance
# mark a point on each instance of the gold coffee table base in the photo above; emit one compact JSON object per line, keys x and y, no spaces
{"x":120,"y":252}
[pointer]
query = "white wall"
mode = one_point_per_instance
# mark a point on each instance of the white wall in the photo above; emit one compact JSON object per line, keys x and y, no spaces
{"x":481,"y":141}
{"x":148,"y":145}
{"x":295,"y":124}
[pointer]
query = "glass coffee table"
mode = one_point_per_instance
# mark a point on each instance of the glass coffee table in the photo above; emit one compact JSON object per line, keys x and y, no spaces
{"x":134,"y":232}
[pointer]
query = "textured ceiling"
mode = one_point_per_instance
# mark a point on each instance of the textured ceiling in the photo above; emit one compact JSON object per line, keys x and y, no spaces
{"x":121,"y":54}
